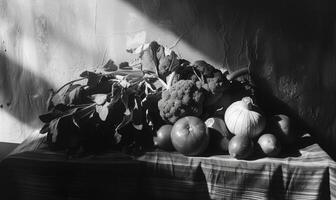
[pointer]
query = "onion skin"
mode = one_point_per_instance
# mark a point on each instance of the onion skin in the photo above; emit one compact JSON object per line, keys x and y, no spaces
{"x":245,"y":118}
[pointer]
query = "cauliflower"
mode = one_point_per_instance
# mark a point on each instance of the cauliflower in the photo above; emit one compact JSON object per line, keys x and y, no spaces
{"x":184,"y":98}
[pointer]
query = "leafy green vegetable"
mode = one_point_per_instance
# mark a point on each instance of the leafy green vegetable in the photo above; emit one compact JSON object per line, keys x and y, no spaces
{"x":102,"y":107}
{"x":102,"y":111}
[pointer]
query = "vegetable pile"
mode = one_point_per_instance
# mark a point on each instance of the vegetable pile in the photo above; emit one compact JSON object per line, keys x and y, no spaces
{"x":125,"y":107}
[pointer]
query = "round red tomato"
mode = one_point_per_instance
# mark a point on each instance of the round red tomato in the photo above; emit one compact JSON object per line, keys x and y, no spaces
{"x":269,"y":144}
{"x":241,"y":147}
{"x":190,"y":136}
{"x":162,"y":138}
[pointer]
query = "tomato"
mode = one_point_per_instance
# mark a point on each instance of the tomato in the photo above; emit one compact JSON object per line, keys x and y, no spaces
{"x":162,"y":139}
{"x":241,"y":146}
{"x":190,"y":136}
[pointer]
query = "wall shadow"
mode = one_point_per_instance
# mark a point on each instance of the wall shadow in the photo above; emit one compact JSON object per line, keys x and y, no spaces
{"x":23,"y":94}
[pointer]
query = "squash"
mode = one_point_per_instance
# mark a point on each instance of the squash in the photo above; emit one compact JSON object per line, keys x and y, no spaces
{"x":244,"y":118}
{"x":219,"y":134}
{"x":218,"y":124}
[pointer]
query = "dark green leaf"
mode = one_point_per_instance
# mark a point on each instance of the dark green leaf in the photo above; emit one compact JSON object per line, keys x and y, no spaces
{"x":85,"y":112}
{"x":86,"y":74}
{"x":58,"y":111}
{"x":110,"y":66}
{"x":45,"y":129}
{"x":102,"y":111}
{"x":125,"y":97}
{"x":72,"y":95}
{"x":99,"y":99}
{"x":117,"y":137}
{"x":113,"y":101}
{"x":126,"y":120}
{"x":129,"y":106}
{"x":93,"y":78}
{"x":75,"y":122}
{"x":46,"y":118}
{"x":61,"y":107}
{"x":53,"y":126}
{"x":72,"y":87}
{"x":137,"y":113}
{"x":50,"y":104}
{"x":115,"y":95}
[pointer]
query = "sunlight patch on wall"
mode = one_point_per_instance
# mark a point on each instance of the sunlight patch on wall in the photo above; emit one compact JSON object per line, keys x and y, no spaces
{"x":10,"y":131}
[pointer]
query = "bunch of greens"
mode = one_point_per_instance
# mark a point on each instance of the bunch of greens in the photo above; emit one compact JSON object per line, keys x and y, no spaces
{"x":106,"y":109}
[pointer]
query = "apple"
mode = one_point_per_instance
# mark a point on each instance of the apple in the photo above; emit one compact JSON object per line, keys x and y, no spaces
{"x":190,"y":136}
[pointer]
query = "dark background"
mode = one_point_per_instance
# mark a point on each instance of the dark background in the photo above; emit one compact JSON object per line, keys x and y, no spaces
{"x":289,"y":47}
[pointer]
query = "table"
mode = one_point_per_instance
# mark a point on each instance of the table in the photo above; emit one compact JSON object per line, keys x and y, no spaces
{"x":34,"y":172}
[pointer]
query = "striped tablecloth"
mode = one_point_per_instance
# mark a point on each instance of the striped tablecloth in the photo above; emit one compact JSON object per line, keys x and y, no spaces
{"x":34,"y":172}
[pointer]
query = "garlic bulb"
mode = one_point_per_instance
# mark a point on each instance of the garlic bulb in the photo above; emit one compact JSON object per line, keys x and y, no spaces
{"x":244,"y":118}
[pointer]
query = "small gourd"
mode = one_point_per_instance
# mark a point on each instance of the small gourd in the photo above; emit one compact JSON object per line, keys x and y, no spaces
{"x":244,"y":118}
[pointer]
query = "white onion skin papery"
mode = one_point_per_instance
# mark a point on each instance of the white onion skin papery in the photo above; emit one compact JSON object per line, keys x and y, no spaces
{"x":244,"y":118}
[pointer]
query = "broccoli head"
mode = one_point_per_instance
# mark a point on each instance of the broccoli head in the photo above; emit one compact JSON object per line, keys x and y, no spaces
{"x":213,"y":80}
{"x":183,"y":98}
{"x":184,"y":72}
{"x":206,"y":69}
{"x":204,"y":75}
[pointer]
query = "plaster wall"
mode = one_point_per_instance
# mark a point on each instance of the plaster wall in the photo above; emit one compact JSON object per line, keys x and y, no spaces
{"x":44,"y":44}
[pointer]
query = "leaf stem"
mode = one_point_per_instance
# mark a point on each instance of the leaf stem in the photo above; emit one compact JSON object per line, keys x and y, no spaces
{"x":68,"y":83}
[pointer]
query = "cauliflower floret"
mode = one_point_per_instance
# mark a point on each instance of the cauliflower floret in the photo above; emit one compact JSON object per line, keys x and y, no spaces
{"x":189,"y":101}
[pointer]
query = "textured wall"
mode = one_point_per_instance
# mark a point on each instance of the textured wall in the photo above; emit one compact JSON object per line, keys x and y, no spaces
{"x":42,"y":45}
{"x":289,"y":46}
{"x":293,"y":61}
